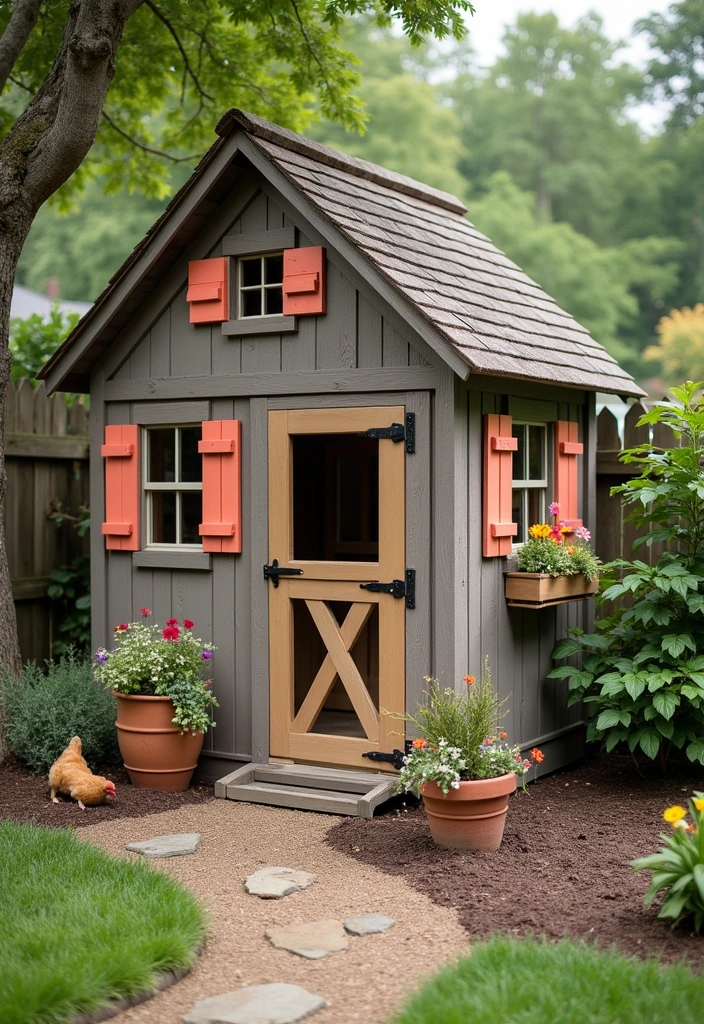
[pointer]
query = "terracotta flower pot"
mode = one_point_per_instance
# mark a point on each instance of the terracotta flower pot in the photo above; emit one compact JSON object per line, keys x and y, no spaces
{"x":471,"y":817}
{"x":155,"y":753}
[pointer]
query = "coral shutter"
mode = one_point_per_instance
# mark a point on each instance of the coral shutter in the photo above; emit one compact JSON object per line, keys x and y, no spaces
{"x":120,"y":451}
{"x":304,"y":280}
{"x":567,"y":448}
{"x":220,"y":447}
{"x":499,"y":447}
{"x":207,"y":294}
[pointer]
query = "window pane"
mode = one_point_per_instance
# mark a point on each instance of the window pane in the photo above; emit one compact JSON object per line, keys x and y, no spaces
{"x":519,"y":456}
{"x":536,"y":506}
{"x":274,"y":300}
{"x":191,"y":460}
{"x":191,"y":516}
{"x":251,"y":272}
{"x":251,"y":303}
{"x":162,"y":455}
{"x":163,"y":517}
{"x":536,"y":453}
{"x":273,"y":269}
{"x":518,"y":517}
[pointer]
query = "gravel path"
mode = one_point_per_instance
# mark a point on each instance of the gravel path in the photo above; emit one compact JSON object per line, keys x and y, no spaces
{"x":366,"y":983}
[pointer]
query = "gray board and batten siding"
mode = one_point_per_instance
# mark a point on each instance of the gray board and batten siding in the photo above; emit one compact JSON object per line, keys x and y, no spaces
{"x":423,"y":312}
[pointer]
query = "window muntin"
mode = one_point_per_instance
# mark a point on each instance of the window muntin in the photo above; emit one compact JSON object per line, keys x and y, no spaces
{"x":173,"y":486}
{"x":530,"y":477}
{"x":260,"y":286}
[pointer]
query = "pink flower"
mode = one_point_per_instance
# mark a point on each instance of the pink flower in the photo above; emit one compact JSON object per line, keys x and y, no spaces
{"x":172,"y":622}
{"x":145,"y":611}
{"x":554,"y":508}
{"x":171,"y":633}
{"x":187,"y":624}
{"x":583,"y":533}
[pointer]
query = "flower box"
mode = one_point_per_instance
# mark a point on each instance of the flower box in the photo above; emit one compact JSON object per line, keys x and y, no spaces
{"x":540,"y":590}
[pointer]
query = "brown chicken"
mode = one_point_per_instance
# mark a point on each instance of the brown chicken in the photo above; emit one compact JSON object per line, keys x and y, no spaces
{"x":71,"y":775}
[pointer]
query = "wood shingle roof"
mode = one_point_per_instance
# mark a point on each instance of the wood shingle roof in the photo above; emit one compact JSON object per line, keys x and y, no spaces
{"x":419,"y":239}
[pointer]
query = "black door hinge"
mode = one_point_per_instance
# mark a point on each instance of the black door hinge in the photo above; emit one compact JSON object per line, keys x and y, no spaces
{"x":397,"y":588}
{"x":395,"y":758}
{"x":273,"y":571}
{"x":396,"y":432}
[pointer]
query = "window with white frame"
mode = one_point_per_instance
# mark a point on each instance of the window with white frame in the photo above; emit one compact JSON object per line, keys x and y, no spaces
{"x":260,"y":285}
{"x":530,"y":477}
{"x":173,"y":486}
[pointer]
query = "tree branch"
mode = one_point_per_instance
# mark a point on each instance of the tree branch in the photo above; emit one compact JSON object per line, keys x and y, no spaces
{"x":184,"y":56}
{"x":148,"y":149}
{"x":17,"y":32}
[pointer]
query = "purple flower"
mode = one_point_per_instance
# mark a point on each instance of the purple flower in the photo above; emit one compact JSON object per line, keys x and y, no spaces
{"x":101,"y":656}
{"x":206,"y":655}
{"x":583,"y":533}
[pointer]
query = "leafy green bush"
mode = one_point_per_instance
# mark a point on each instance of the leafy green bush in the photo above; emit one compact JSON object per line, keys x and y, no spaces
{"x":642,"y":676}
{"x":678,"y":867}
{"x":542,"y":554}
{"x":43,"y":710}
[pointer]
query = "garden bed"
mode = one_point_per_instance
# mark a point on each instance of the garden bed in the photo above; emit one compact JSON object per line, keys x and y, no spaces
{"x":25,"y":797}
{"x":562,"y":869}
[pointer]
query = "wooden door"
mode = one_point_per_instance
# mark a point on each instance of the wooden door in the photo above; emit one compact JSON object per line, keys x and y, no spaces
{"x":336,"y":650}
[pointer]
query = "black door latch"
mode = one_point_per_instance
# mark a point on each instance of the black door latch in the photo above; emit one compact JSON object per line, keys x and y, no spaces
{"x":397,"y":588}
{"x":395,"y":758}
{"x":273,"y":571}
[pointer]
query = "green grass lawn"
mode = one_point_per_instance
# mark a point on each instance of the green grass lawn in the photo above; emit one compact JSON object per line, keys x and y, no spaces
{"x":509,"y":981}
{"x":78,"y":927}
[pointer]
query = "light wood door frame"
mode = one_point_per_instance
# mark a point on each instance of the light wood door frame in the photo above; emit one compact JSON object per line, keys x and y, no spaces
{"x":322,"y":581}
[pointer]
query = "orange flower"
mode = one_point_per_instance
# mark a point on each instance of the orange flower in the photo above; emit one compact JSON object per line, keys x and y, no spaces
{"x":469,"y":680}
{"x":419,"y":744}
{"x":503,"y":735}
{"x":537,"y":755}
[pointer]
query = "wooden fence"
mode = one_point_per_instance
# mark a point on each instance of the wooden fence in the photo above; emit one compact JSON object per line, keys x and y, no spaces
{"x":614,"y":536}
{"x":46,"y":449}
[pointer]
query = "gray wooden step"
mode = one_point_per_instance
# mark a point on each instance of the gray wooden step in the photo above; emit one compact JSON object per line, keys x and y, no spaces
{"x":308,"y":788}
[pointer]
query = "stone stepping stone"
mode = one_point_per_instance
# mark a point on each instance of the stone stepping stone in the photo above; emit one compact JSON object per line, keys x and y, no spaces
{"x":273,"y":883}
{"x":368,"y":924}
{"x":256,"y":1004}
{"x":312,"y":940}
{"x":178,"y":844}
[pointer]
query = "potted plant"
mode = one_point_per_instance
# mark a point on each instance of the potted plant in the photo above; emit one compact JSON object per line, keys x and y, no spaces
{"x":461,"y":765}
{"x":554,"y":565}
{"x":162,"y":701}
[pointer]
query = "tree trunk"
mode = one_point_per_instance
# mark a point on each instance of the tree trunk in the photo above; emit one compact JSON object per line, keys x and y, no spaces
{"x":40,"y":152}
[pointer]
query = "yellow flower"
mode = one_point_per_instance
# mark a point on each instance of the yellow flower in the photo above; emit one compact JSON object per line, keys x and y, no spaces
{"x":539,"y":530}
{"x":674,"y":814}
{"x":698,"y":803}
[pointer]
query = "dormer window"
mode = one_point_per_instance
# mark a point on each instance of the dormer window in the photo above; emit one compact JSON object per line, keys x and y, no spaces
{"x":260,"y":285}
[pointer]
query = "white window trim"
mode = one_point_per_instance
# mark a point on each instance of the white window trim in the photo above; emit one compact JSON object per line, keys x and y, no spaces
{"x":175,"y":486}
{"x":262,"y":288}
{"x":543,"y":483}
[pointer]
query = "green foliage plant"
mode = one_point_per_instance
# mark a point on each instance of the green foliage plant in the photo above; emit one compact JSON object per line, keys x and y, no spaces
{"x":36,"y":338}
{"x":516,"y":981}
{"x":459,"y":738}
{"x":104,"y":928}
{"x":43,"y":710}
{"x":151,"y":661}
{"x":70,"y":587}
{"x":642,"y":670}
{"x":678,"y":866}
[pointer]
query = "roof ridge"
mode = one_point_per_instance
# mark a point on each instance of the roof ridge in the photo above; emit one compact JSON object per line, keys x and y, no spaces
{"x":258,"y":127}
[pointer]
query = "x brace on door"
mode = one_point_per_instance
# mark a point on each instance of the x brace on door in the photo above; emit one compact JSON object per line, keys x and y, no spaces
{"x":339,"y":641}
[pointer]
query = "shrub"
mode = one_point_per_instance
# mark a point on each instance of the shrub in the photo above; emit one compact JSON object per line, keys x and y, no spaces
{"x":642,"y":674}
{"x":43,"y":710}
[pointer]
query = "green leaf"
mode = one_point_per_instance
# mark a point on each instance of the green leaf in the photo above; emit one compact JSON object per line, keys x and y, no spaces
{"x":565,"y":648}
{"x":650,"y":744}
{"x":695,"y":751}
{"x":674,"y":643}
{"x":698,"y":875}
{"x":634,"y":688}
{"x":666,"y":703}
{"x":608,"y":719}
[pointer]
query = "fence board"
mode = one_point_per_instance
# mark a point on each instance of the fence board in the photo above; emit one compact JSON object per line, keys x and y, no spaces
{"x":46,"y":462}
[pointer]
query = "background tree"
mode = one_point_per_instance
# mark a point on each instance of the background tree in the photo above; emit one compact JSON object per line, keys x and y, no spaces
{"x":680,"y":347}
{"x":78,"y":76}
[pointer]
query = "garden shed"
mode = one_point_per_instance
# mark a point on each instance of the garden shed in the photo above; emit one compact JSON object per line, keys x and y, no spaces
{"x":313,"y":375}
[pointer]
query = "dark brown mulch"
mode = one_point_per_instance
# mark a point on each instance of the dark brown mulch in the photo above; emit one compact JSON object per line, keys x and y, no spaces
{"x":25,"y":797}
{"x":562,"y":869}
